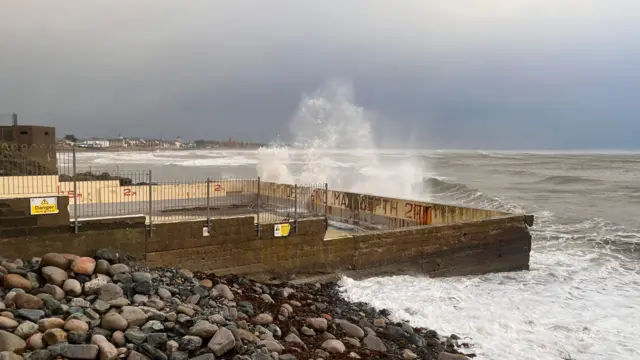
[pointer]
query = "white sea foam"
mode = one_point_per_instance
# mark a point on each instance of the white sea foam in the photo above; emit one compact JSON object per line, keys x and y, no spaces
{"x":571,"y":304}
{"x":328,"y":123}
{"x":205,"y":158}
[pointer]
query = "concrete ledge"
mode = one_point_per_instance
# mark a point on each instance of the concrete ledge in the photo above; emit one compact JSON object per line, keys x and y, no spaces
{"x":235,"y":245}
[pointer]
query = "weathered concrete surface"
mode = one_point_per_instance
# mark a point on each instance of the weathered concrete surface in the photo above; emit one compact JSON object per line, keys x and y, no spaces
{"x":354,"y":207}
{"x":234,"y":246}
{"x":501,"y":244}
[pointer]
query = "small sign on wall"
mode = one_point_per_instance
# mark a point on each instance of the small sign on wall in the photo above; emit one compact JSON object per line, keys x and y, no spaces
{"x":280,"y":230}
{"x":44,"y":205}
{"x":205,"y":231}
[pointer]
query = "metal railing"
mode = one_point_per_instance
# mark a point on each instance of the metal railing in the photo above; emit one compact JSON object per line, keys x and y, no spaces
{"x":96,"y":193}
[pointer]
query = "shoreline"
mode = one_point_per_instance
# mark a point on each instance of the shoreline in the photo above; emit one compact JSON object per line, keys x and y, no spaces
{"x":111,"y":307}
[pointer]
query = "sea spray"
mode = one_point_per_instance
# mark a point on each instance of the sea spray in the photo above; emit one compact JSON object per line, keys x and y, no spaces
{"x":327,"y":126}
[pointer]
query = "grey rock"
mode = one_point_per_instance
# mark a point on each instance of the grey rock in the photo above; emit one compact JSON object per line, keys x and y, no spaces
{"x":119,"y":302}
{"x":73,"y":351}
{"x":114,"y":321}
{"x":374,"y":343}
{"x":107,"y":350}
{"x":53,"y":290}
{"x":224,"y":291}
{"x":153,"y":314}
{"x":135,"y":336}
{"x":275,"y":330}
{"x":171,"y":316}
{"x":140,"y":276}
{"x":143,"y":287}
{"x":79,"y":302}
{"x":134,"y":355}
{"x":272,"y":346}
{"x":77,"y":337}
{"x":54,"y":275}
{"x":52,"y":306}
{"x":119,"y":269}
{"x":11,"y":342}
{"x":172,"y":346}
{"x":92,"y":315}
{"x":333,"y":346}
{"x":222,"y":342}
{"x":351,"y":329}
{"x":266,"y":298}
{"x":153,"y":326}
{"x":100,"y":306}
{"x":285,"y":292}
{"x":100,"y":331}
{"x":353,"y":341}
{"x":294,"y":339}
{"x":102,"y":267}
{"x":193,"y":299}
{"x":122,"y":278}
{"x":190,"y":343}
{"x":308,"y":332}
{"x":39,"y":355}
{"x":93,"y":287}
{"x":409,"y":355}
{"x":179,"y":355}
{"x":26,"y":329}
{"x":134,"y":315}
{"x":140,"y":299}
{"x":155,"y":304}
{"x":207,"y":356}
{"x":72,"y":287}
{"x":263,"y":319}
{"x":203,"y":329}
{"x":164,"y":293}
{"x":153,"y":353}
{"x":157,"y":340}
{"x":31,"y":315}
{"x":217,"y":319}
{"x":109,"y":292}
{"x":318,"y":324}
{"x":110,"y":255}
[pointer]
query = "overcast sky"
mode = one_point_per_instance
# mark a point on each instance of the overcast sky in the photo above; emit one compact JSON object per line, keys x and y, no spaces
{"x":454,"y":73}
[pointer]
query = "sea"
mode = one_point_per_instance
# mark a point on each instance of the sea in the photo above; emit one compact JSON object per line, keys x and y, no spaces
{"x":579,"y":300}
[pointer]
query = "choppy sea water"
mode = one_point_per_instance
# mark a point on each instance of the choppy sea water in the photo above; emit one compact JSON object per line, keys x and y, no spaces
{"x":581,"y":298}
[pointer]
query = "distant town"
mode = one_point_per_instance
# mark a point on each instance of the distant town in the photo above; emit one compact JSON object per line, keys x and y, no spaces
{"x":121,"y":143}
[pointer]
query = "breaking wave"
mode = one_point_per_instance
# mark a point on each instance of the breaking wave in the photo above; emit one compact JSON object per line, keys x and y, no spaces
{"x":441,"y":190}
{"x":328,"y":122}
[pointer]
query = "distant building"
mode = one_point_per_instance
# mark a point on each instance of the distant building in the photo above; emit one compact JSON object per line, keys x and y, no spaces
{"x":94,"y":143}
{"x":35,"y":143}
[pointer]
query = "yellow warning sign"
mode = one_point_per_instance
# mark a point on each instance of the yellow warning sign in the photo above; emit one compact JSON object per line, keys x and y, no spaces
{"x":41,"y":206}
{"x":280,"y":230}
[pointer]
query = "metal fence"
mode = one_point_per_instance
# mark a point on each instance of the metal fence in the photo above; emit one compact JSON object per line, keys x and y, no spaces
{"x":95,"y":192}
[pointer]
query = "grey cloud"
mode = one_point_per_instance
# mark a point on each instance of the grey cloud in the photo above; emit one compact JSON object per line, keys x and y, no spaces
{"x":457,"y":73}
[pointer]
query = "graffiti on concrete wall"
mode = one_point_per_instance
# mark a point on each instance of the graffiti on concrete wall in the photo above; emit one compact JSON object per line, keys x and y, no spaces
{"x":369,"y":204}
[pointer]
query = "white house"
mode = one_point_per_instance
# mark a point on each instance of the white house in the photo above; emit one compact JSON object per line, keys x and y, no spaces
{"x":94,"y":143}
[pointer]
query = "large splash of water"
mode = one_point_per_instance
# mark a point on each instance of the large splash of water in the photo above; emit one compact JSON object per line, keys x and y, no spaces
{"x":328,"y":127}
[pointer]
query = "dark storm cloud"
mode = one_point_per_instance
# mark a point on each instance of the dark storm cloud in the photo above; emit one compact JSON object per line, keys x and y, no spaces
{"x":459,"y":73}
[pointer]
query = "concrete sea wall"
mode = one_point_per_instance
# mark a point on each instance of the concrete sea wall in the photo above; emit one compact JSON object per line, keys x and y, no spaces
{"x":482,"y":244}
